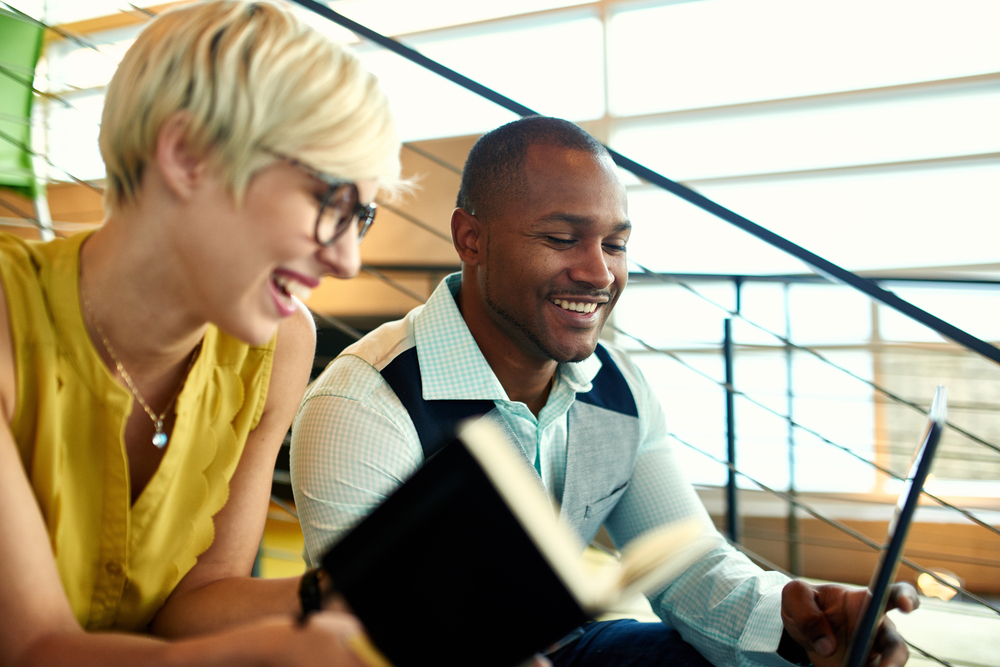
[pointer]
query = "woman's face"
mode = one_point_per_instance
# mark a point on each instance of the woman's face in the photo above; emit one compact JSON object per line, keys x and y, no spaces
{"x":250,"y":264}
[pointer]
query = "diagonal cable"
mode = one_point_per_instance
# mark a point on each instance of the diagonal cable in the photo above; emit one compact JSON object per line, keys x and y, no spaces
{"x":786,"y":341}
{"x":339,"y":325}
{"x":27,"y":149}
{"x":736,"y":392}
{"x":394,"y":284}
{"x":140,"y":10}
{"x":929,"y":656}
{"x":11,"y":74}
{"x":414,"y":220}
{"x":27,"y":216}
{"x":433,"y":158}
{"x":830,"y":522}
{"x":59,"y":31}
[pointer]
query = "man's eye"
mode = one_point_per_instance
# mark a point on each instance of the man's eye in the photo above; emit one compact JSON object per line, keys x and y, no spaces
{"x":558,"y":241}
{"x":614,"y":247}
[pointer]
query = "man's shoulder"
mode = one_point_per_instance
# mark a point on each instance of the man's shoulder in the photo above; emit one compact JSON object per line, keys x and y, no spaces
{"x":622,"y":367}
{"x":382,"y":345}
{"x":356,"y":372}
{"x":623,"y":361}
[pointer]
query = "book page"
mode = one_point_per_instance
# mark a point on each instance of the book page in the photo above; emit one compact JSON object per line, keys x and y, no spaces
{"x":648,"y":563}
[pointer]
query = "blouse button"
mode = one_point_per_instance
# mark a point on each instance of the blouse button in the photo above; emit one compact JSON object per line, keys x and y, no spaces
{"x":113,"y":568}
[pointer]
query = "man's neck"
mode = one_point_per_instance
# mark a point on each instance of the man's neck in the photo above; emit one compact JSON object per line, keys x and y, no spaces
{"x":528,"y":386}
{"x":525,"y":379}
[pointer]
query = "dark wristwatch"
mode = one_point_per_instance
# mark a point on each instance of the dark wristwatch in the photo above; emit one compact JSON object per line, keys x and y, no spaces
{"x":311,"y":593}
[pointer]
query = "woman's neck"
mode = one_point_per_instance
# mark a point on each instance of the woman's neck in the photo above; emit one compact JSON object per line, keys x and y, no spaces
{"x":132,"y":296}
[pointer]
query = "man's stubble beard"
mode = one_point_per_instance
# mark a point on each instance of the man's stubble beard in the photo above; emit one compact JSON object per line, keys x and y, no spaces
{"x":513,"y":323}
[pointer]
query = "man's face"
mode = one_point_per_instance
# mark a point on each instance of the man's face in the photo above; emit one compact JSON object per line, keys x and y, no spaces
{"x":555,"y":264}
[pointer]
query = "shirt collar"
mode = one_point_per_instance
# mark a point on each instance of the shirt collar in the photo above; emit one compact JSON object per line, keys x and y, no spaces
{"x":451,"y":363}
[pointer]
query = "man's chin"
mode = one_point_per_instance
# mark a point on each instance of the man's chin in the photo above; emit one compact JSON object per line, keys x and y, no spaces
{"x":575,"y":355}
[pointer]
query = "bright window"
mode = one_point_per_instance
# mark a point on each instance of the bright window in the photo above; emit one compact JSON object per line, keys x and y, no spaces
{"x":948,"y":121}
{"x":552,"y":65}
{"x":723,"y":52}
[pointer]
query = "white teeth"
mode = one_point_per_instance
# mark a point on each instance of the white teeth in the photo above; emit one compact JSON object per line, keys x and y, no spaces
{"x":292,"y":287}
{"x":575,"y":306}
{"x":299,"y":291}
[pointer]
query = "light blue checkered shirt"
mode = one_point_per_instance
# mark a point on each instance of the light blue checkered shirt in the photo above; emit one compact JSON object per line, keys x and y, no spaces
{"x":353,"y":442}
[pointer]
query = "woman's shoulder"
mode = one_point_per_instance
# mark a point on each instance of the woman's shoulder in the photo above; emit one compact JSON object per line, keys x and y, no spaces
{"x":8,"y":386}
{"x":19,"y":268}
{"x":25,"y":264}
{"x":16,"y":254}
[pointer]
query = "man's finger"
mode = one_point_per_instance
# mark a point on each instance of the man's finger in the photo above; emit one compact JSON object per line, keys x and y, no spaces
{"x":903,"y":596}
{"x":804,"y":620}
{"x":889,"y":645}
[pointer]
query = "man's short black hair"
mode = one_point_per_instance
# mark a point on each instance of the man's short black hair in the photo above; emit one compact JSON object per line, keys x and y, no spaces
{"x":494,"y":170}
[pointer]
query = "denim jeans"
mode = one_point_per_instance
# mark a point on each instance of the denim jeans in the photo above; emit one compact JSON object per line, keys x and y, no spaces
{"x":627,"y":643}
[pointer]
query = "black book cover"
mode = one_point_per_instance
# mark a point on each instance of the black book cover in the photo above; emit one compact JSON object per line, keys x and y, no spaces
{"x":442,"y":573}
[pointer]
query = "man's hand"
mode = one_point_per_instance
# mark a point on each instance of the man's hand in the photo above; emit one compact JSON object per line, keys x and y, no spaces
{"x":822,"y":618}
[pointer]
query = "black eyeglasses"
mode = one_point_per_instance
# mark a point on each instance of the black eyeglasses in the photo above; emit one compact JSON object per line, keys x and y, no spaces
{"x":339,"y":207}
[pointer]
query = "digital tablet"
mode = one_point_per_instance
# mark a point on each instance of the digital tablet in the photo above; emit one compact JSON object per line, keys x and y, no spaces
{"x":892,"y":551}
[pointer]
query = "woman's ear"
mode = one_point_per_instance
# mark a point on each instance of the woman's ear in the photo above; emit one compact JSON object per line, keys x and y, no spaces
{"x":180,"y":167}
{"x":468,"y":235}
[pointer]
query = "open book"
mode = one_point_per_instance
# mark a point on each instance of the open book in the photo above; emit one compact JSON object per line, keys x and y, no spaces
{"x":467,"y":563}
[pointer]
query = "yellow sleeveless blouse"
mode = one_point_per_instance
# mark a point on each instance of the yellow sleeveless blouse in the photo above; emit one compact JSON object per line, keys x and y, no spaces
{"x":118,"y":562}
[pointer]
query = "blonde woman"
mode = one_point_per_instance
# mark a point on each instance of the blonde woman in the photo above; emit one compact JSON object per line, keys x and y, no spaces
{"x":149,"y":370}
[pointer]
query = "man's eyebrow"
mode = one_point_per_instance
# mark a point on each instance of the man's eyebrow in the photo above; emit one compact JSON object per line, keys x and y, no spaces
{"x":579,"y":221}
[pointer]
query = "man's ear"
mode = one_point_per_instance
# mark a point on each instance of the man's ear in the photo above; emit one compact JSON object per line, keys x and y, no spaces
{"x":180,"y":167}
{"x":469,"y":236}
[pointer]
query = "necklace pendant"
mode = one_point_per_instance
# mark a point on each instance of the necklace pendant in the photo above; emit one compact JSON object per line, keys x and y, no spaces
{"x":159,"y":438}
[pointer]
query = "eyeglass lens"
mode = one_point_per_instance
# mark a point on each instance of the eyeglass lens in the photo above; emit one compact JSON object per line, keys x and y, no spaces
{"x":338,"y":211}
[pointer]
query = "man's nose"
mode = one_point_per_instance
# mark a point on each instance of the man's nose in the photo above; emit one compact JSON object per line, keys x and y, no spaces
{"x":592,"y":266}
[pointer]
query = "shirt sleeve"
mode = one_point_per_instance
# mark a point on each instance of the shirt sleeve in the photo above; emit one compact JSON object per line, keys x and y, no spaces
{"x":724,"y":604}
{"x":352,"y":445}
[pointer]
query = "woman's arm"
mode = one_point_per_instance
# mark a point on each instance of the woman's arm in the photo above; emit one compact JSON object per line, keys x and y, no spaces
{"x":39,"y":628}
{"x":218,"y":591}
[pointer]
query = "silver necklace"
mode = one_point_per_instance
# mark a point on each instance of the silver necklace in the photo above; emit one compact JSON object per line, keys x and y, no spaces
{"x":159,"y":437}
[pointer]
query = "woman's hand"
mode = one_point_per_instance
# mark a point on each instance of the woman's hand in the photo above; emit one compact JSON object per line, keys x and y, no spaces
{"x":327,"y":638}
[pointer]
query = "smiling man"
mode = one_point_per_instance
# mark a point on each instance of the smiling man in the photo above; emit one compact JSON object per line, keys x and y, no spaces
{"x":541,"y":228}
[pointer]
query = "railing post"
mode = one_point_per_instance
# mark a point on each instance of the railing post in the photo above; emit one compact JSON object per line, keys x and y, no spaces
{"x":732,"y":512}
{"x":794,"y":547}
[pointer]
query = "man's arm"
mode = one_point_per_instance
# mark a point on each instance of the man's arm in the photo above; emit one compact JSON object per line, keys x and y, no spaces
{"x":353,"y":443}
{"x":726,"y":606}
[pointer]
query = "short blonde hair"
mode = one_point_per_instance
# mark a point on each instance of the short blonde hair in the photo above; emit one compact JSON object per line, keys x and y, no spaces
{"x":252,"y":80}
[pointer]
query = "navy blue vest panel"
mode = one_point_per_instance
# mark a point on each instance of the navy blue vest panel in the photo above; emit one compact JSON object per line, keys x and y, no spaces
{"x":435,"y":421}
{"x":610,"y":389}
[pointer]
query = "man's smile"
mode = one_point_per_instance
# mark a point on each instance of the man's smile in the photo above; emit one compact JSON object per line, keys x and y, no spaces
{"x":576,"y":306}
